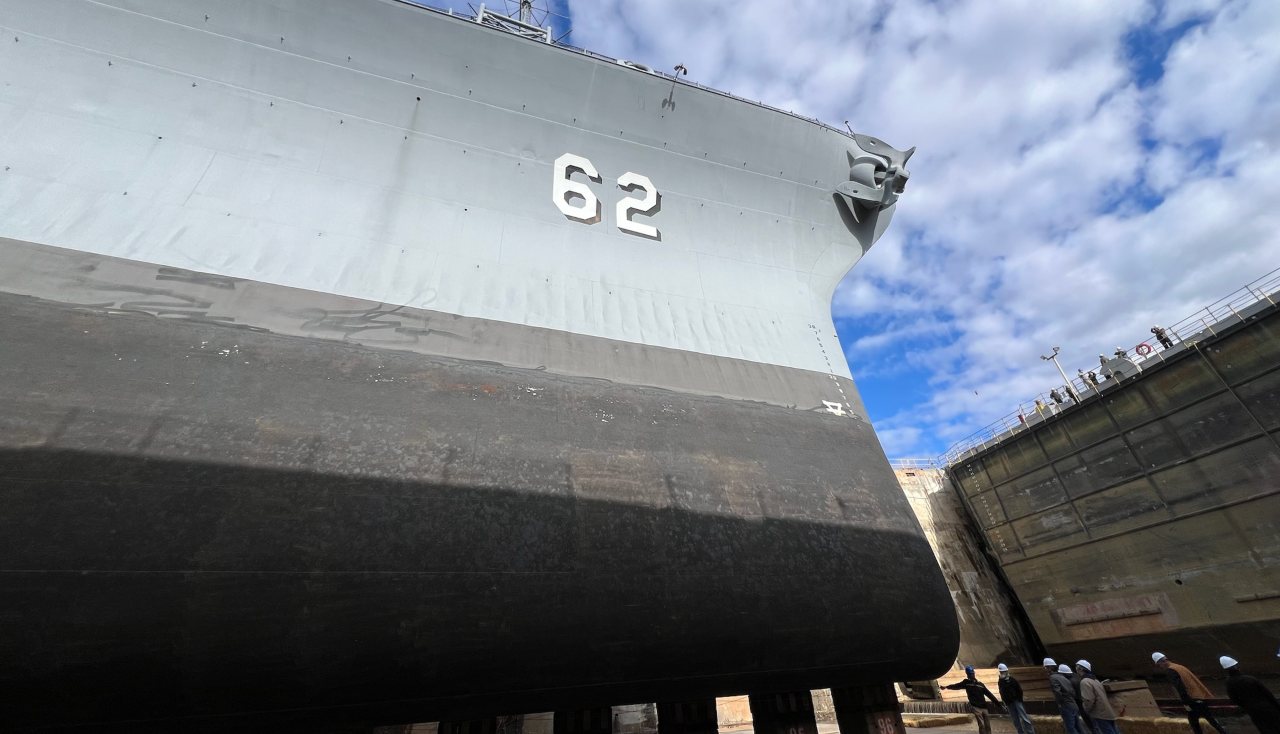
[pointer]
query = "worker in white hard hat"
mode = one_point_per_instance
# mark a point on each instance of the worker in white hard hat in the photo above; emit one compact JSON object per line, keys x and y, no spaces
{"x":1050,"y":665}
{"x":1086,"y":721}
{"x":1252,"y":697}
{"x":1011,"y":696}
{"x":1093,"y":700}
{"x":1064,"y":693}
{"x":1191,"y":690}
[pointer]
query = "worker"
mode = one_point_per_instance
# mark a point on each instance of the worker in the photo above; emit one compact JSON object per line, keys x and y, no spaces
{"x":1064,"y":693}
{"x":1093,"y":700}
{"x":1252,"y":697}
{"x":1191,"y":691}
{"x":978,"y":694}
{"x":1011,"y":696}
{"x":1162,"y":337}
{"x":1050,"y":665}
{"x":1085,"y":723}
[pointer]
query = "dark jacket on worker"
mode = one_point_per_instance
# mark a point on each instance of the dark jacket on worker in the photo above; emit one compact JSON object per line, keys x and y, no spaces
{"x":1010,"y":689}
{"x":975,"y":690}
{"x":1256,"y":699}
{"x":1063,"y":690}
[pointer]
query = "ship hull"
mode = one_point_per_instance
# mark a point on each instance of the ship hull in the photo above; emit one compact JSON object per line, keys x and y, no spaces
{"x":206,"y":519}
{"x":326,"y":390}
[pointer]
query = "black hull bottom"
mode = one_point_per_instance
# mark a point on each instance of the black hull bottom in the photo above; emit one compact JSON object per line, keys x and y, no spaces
{"x":256,"y":529}
{"x":671,"y":621}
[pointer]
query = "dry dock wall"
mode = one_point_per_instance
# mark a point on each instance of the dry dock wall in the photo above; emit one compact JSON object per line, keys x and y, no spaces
{"x":991,"y":626}
{"x":1148,"y":517}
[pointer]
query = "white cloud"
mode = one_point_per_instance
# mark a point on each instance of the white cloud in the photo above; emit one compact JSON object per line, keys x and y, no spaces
{"x":1019,"y":228}
{"x":1223,"y":79}
{"x":1180,"y":11}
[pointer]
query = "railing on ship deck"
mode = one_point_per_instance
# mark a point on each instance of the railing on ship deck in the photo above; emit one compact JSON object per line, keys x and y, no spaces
{"x":1233,"y":308}
{"x":640,"y":68}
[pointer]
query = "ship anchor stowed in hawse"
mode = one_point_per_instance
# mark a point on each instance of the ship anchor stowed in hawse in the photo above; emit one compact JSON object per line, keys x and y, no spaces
{"x":366,"y":362}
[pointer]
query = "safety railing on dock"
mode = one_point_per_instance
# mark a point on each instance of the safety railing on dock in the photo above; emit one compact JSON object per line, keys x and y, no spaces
{"x":915,"y":463}
{"x":1232,"y":308}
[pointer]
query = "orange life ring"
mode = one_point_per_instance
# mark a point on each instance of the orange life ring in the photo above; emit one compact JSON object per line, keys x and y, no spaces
{"x":1143,"y":349}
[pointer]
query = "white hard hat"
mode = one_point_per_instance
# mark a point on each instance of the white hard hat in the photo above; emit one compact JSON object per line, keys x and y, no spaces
{"x":1005,"y":668}
{"x":1228,"y":662}
{"x":1064,"y":669}
{"x":1049,"y":662}
{"x":1157,"y":657}
{"x":1084,"y":664}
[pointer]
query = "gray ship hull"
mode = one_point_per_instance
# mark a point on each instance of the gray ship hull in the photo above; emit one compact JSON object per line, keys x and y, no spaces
{"x":322,"y":401}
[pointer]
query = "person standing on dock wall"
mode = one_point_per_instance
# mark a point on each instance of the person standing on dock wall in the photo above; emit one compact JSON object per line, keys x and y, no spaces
{"x":1064,"y":693}
{"x":1191,"y":690}
{"x":1093,"y":700}
{"x":978,"y":694}
{"x":1252,"y":697}
{"x":1011,"y":695}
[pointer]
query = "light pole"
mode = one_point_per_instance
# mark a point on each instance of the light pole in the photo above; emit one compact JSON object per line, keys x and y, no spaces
{"x":1054,"y":358}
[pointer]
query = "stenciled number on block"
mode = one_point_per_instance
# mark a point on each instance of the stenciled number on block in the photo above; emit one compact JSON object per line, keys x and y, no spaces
{"x":886,"y":724}
{"x":577,"y":201}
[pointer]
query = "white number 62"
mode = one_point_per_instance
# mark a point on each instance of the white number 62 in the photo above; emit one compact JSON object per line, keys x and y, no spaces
{"x":575,"y":199}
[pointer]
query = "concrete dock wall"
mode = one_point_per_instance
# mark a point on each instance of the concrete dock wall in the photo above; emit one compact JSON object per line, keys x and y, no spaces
{"x":1147,"y":517}
{"x":991,"y":628}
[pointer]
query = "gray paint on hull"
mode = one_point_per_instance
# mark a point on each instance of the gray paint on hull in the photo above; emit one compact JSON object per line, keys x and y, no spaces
{"x":389,"y":153}
{"x":126,"y":286}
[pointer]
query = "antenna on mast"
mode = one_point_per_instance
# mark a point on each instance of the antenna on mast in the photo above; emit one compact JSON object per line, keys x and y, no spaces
{"x":522,"y":24}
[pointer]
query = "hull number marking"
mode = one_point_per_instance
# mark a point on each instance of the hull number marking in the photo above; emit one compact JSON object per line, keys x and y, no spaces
{"x":577,"y":201}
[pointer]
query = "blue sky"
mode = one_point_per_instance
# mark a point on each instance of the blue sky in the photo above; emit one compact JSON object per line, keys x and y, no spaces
{"x":1085,"y":170}
{"x":893,"y":380}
